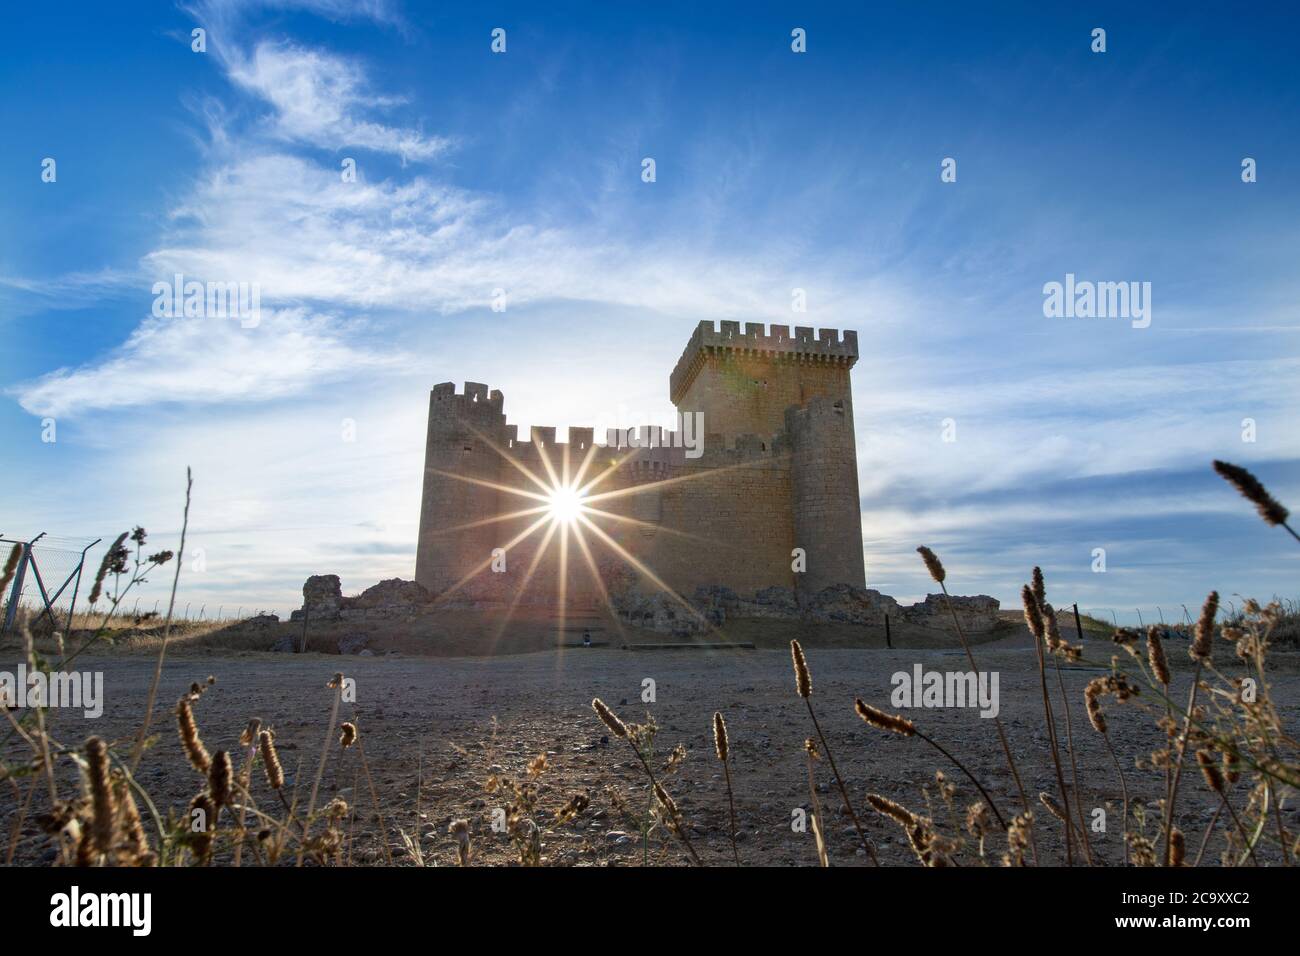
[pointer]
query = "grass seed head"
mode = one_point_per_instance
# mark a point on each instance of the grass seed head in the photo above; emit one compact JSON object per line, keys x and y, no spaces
{"x":1092,"y":703}
{"x":133,"y":839}
{"x":1033,"y":615}
{"x":113,"y":559}
{"x":666,"y":801}
{"x":895,"y":811}
{"x":1156,"y":656}
{"x":103,"y":807}
{"x":1053,"y":807}
{"x":220,"y":774}
{"x":894,"y":723}
{"x":802,"y":678}
{"x":1210,"y":770}
{"x":932,"y":564}
{"x":1177,"y":847}
{"x":11,"y":565}
{"x":201,"y":822}
{"x":189,"y":734}
{"x":1269,"y":508}
{"x":609,"y":718}
{"x":1051,"y":629}
{"x":270,"y":759}
{"x":720,"y":742}
{"x":1202,"y":645}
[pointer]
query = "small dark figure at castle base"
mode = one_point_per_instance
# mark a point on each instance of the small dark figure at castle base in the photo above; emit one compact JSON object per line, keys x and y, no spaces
{"x":777,"y":472}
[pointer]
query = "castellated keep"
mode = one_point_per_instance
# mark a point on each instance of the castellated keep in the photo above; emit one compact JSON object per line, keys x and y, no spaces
{"x":778,"y":471}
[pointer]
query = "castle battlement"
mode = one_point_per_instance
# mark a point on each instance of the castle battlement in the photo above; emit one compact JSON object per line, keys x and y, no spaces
{"x":581,"y":439}
{"x":653,"y":442}
{"x":829,"y":345}
{"x":475,"y":394}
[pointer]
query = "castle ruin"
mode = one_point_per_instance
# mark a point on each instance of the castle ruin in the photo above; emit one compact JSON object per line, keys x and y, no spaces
{"x":777,"y":472}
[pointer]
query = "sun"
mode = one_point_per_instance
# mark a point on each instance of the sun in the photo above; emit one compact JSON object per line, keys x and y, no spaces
{"x":565,"y":504}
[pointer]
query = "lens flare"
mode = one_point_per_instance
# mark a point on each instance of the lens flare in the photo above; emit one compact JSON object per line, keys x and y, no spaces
{"x":565,"y":504}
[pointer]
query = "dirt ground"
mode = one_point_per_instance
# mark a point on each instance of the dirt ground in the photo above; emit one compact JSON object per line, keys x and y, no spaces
{"x":439,"y":713}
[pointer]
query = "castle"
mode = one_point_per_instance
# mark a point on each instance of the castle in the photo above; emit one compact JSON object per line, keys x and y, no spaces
{"x":776,"y":472}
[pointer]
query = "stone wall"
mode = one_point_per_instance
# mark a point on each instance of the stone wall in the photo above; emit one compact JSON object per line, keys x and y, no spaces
{"x":323,"y":600}
{"x":976,"y":613}
{"x":705,"y":607}
{"x":715,"y":605}
{"x":827,"y":521}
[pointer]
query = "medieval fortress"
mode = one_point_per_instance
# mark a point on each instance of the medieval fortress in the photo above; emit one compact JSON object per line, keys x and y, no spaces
{"x":753,"y":515}
{"x":777,"y":471}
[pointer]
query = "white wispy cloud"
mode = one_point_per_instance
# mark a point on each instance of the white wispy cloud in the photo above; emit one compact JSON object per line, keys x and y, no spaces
{"x":418,"y":245}
{"x":1027,"y":428}
{"x":72,"y":290}
{"x":323,"y":100}
{"x":207,"y":361}
{"x":228,"y":13}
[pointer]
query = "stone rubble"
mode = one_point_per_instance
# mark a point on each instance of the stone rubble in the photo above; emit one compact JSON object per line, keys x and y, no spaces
{"x":657,"y":611}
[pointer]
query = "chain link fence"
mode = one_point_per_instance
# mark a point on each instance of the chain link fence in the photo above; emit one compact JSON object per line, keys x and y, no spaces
{"x":43,"y":578}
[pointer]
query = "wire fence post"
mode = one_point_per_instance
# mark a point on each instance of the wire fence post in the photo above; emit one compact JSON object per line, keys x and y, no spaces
{"x":1078,"y":622}
{"x":72,"y":606}
{"x":12,"y":610}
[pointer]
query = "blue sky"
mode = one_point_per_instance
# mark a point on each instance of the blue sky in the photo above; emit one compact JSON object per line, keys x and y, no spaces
{"x":775,"y":171}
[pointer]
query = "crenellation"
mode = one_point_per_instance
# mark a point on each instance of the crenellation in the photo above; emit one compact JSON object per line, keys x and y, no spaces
{"x":708,"y":343}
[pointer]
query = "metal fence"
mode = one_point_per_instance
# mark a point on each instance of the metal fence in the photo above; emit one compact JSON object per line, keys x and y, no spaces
{"x":46,"y":580}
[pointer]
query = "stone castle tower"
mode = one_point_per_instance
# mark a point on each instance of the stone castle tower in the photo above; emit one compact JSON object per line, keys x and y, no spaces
{"x":778,"y":471}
